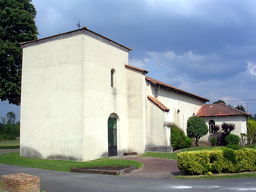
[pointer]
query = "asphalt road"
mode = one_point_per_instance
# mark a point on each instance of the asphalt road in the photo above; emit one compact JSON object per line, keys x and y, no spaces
{"x":55,"y":181}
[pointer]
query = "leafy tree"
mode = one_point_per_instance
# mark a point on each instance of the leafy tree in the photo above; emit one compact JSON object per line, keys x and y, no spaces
{"x":16,"y":25}
{"x":240,"y":107}
{"x":251,"y":130}
{"x":196,"y":128}
{"x":2,"y":126}
{"x":254,"y":117}
{"x":9,"y":128}
{"x":226,"y":129}
{"x":11,"y":118}
{"x":219,"y":101}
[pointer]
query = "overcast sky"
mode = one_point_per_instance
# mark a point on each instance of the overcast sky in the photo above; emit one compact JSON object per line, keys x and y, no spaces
{"x":206,"y":47}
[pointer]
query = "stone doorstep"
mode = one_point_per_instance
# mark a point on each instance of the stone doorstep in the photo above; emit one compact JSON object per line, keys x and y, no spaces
{"x":105,"y":170}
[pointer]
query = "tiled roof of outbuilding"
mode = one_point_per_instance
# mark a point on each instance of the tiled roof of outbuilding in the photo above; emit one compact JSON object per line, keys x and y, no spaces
{"x":158,"y":103}
{"x":214,"y":110}
{"x":167,"y":86}
{"x":136,"y":69}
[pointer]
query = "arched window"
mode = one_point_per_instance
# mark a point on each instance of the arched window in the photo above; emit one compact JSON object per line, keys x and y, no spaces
{"x":112,"y":77}
{"x":211,"y":125}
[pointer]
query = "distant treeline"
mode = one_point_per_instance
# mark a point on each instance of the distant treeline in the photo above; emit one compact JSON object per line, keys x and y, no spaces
{"x":9,"y":127}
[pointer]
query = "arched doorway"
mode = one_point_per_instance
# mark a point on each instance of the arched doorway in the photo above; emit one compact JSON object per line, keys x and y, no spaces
{"x":112,"y":135}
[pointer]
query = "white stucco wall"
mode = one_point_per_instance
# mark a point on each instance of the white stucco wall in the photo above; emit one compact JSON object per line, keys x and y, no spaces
{"x":136,"y":101}
{"x":101,"y":100}
{"x":181,"y":106}
{"x":156,"y":129}
{"x":51,"y":100}
{"x":239,"y":121}
{"x":67,"y":99}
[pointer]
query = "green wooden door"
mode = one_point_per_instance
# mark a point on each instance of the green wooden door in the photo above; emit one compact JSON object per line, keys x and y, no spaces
{"x":112,"y":136}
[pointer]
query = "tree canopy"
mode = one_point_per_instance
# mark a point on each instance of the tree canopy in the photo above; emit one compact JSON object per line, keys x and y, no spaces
{"x":219,"y":101}
{"x":241,"y":107}
{"x":251,"y":130}
{"x":16,"y":25}
{"x":196,"y":128}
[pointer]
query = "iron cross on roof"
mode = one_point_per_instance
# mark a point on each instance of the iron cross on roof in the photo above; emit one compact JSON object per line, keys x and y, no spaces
{"x":78,"y":24}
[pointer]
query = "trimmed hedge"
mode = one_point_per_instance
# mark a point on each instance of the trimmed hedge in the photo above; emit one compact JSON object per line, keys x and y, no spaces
{"x":218,"y":160}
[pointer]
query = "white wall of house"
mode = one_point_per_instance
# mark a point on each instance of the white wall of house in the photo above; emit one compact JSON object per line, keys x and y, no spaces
{"x":239,"y":121}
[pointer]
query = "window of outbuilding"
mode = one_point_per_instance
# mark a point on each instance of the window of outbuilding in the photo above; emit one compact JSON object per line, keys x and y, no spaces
{"x":211,"y":125}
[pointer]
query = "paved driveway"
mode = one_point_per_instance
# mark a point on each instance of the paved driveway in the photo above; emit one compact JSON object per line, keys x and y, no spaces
{"x":155,"y":168}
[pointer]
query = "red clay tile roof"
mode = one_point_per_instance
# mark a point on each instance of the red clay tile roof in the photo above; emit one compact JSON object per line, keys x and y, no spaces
{"x":158,"y":103}
{"x":136,"y":68}
{"x":214,"y":110}
{"x":167,"y":86}
{"x":72,"y":33}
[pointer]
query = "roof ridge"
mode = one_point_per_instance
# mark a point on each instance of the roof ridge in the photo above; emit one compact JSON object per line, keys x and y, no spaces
{"x":155,"y":81}
{"x":218,"y":109}
{"x":75,"y":32}
{"x":233,"y":108}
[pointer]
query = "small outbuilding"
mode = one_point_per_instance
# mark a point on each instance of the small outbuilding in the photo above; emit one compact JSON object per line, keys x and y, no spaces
{"x":217,"y":114}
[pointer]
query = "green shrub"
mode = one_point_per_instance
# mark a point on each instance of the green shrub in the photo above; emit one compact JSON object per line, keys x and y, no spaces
{"x":213,"y":140}
{"x":234,"y":147}
{"x":217,"y":161}
{"x":232,"y":139}
{"x":196,"y":128}
{"x":7,"y":137}
{"x":178,"y":139}
{"x":251,"y":146}
{"x":229,"y":154}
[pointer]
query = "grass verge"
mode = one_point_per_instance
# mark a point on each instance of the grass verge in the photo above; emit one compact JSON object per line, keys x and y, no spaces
{"x":10,"y":144}
{"x":217,"y":176}
{"x":15,"y":159}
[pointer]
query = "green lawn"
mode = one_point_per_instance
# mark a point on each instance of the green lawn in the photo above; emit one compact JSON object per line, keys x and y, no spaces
{"x":15,"y":159}
{"x":161,"y":155}
{"x":10,"y":144}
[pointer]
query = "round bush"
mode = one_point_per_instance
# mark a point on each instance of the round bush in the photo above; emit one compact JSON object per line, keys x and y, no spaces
{"x":213,"y":141}
{"x":178,"y":139}
{"x":196,"y":128}
{"x":232,"y":139}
